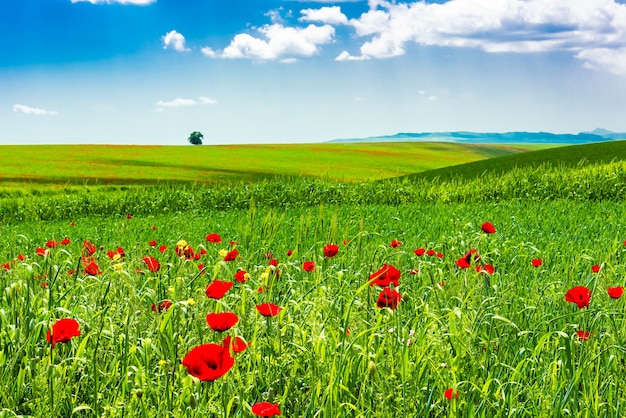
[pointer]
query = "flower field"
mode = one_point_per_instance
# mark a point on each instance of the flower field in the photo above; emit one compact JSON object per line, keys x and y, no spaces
{"x":512,"y":308}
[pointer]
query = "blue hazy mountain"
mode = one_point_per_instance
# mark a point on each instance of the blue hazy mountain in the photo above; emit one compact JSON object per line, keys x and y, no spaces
{"x":597,"y":135}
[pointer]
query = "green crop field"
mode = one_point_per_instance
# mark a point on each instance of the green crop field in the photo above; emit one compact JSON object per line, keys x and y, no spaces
{"x":113,"y":164}
{"x":476,"y":295}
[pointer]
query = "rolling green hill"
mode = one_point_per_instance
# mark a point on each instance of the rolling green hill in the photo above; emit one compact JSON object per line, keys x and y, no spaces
{"x":53,"y":165}
{"x":567,"y":156}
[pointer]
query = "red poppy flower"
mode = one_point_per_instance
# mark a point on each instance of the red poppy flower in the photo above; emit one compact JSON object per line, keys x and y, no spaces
{"x":163,"y":306}
{"x":386,"y":275}
{"x":308,"y":266}
{"x":233,"y":243}
{"x":238,"y":346}
{"x":232,"y":255}
{"x":65,"y":241}
{"x":6,"y":266}
{"x":289,"y":253}
{"x":536,"y":262}
{"x":265,"y":409}
{"x":217,"y":289}
{"x":439,"y":255}
{"x":273,"y":262}
{"x":72,"y":223}
{"x":129,"y":216}
{"x":62,"y":331}
{"x":579,"y":295}
{"x":52,"y":244}
{"x":395,"y":244}
{"x":154,"y":227}
{"x":616,"y":292}
{"x":583,"y":335}
{"x":388,"y":299}
{"x":116,"y":254}
{"x":152,"y":264}
{"x":208,"y":361}
{"x":214,"y":238}
{"x":92,"y":269}
{"x":241,"y":276}
{"x":420,"y":252}
{"x":596,"y":268}
{"x":89,"y":248}
{"x":268,"y":309}
{"x":221,"y":322}
{"x":431,"y":252}
{"x":330,"y":250}
{"x":21,"y":257}
{"x":487,"y":268}
{"x":488,"y":228}
{"x":152,"y":243}
{"x":163,"y":248}
{"x":465,"y":261}
{"x":450,"y":393}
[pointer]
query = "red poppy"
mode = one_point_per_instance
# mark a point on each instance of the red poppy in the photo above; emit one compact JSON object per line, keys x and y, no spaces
{"x":583,"y":335}
{"x":616,"y":292}
{"x":221,"y":322}
{"x":201,"y":266}
{"x":536,"y":262}
{"x":579,"y":295}
{"x":265,"y":409}
{"x":268,"y":309}
{"x":183,"y":249}
{"x":420,"y":252}
{"x":208,"y":361}
{"x":162,"y":248}
{"x":163,"y":306}
{"x":72,"y":223}
{"x":431,"y":252}
{"x":232,"y":255}
{"x":238,"y":346}
{"x":465,"y":261}
{"x":116,"y":254}
{"x":388,"y":299}
{"x":217,"y":289}
{"x":129,"y":216}
{"x":21,"y":257}
{"x":214,"y":238}
{"x":202,"y":251}
{"x":330,"y":250}
{"x":273,"y":262}
{"x":488,"y":228}
{"x":92,"y":269}
{"x":241,"y":275}
{"x":152,"y":264}
{"x":233,"y":243}
{"x":596,"y":268}
{"x":395,"y":244}
{"x":6,"y":266}
{"x":487,"y":268}
{"x":289,"y":253}
{"x":62,"y":331}
{"x":386,"y":275}
{"x":152,"y":243}
{"x":52,"y":244}
{"x":439,"y":255}
{"x":65,"y":241}
{"x":308,"y":266}
{"x":89,"y":248}
{"x":154,"y":227}
{"x":450,"y":393}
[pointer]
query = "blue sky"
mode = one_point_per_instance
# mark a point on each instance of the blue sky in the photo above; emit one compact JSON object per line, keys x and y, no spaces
{"x":277,"y":71}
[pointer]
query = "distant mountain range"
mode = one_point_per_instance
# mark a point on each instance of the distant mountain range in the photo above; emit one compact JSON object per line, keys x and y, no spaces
{"x":597,"y":135}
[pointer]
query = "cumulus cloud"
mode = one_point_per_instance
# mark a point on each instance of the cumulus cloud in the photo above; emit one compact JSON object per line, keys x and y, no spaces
{"x":593,"y":30}
{"x":175,"y":41}
{"x":27,"y":110}
{"x":180,"y":102}
{"x":208,"y":51}
{"x":330,"y":15}
{"x":132,"y":2}
{"x":278,"y":42}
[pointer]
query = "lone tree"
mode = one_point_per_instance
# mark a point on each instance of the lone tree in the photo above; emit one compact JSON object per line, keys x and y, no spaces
{"x":196,"y":138}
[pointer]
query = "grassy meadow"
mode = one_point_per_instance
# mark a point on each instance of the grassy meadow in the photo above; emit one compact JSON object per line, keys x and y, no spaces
{"x":497,"y":294}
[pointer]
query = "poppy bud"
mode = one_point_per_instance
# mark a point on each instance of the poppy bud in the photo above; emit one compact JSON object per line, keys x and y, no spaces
{"x":371,"y":368}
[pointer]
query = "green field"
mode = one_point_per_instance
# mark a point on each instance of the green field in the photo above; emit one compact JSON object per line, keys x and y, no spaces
{"x":477,"y":321}
{"x":114,"y":164}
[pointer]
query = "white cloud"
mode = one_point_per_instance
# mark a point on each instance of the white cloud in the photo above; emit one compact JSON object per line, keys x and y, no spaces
{"x":27,"y":110}
{"x":208,"y":51}
{"x":345,"y":56}
{"x":280,"y":42}
{"x":174,"y":40}
{"x":133,"y":2}
{"x":593,"y":30}
{"x":330,"y":15}
{"x":180,"y":102}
